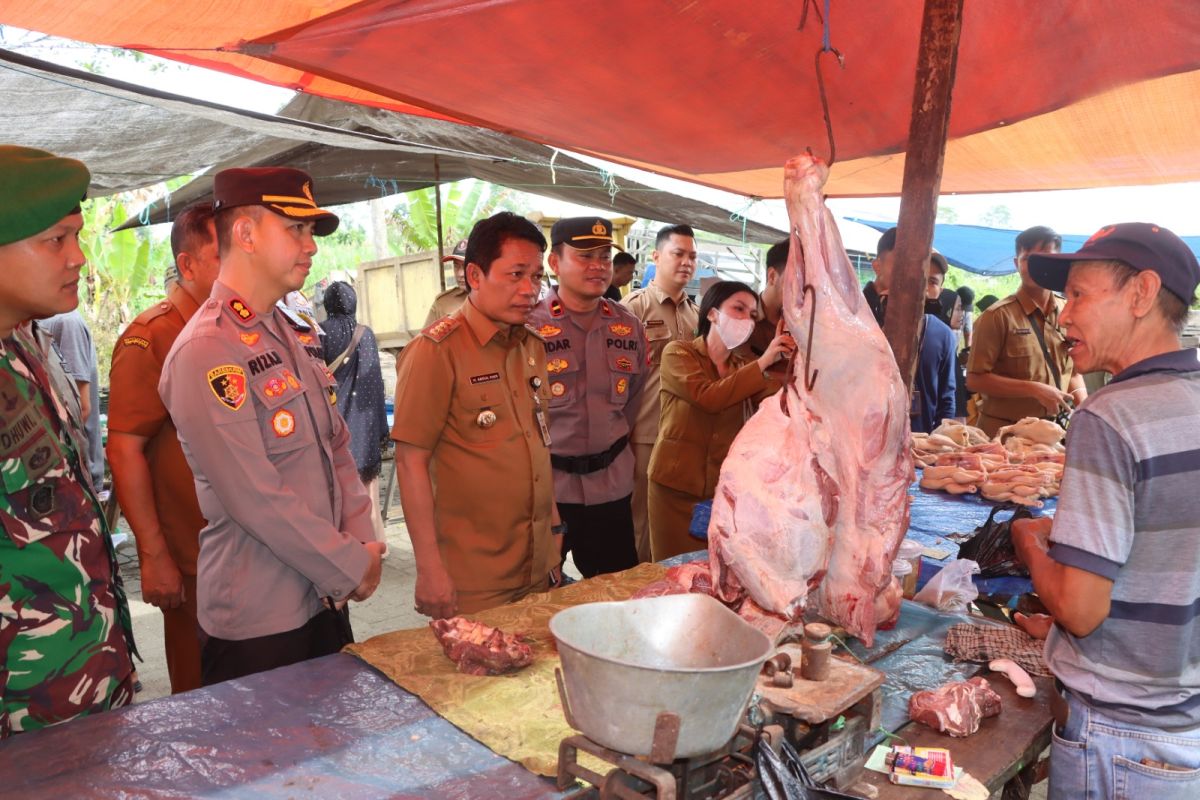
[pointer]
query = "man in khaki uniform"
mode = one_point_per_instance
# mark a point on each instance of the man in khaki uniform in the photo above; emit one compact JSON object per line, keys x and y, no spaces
{"x":472,"y":436}
{"x":668,"y":315}
{"x":289,"y":538}
{"x":150,"y":474}
{"x":452,"y":299}
{"x":596,"y":360}
{"x":1019,"y":363}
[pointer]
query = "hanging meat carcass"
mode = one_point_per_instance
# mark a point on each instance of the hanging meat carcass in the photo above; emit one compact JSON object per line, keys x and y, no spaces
{"x":812,"y":496}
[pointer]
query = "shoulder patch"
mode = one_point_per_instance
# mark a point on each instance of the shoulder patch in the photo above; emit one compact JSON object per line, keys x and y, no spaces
{"x":441,"y":329}
{"x":135,"y":341}
{"x":228,"y":384}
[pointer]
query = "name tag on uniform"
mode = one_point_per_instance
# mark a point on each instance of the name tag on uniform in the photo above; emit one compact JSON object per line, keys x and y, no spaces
{"x":1022,"y":331}
{"x":653,"y":323}
{"x":488,"y":378}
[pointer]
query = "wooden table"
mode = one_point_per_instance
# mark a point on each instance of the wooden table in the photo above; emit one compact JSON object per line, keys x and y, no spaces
{"x":1003,"y":753}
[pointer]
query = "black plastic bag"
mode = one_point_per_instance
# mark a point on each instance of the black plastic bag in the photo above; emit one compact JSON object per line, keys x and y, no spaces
{"x":992,"y":548}
{"x":782,"y":776}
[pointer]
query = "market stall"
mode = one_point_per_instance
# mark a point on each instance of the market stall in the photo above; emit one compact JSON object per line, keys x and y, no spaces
{"x":336,"y":727}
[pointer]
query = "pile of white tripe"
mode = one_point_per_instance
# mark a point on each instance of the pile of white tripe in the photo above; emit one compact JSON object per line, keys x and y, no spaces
{"x":1023,"y":464}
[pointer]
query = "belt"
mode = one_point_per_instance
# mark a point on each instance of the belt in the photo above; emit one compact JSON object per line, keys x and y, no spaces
{"x":1058,"y":706}
{"x":584,"y":465}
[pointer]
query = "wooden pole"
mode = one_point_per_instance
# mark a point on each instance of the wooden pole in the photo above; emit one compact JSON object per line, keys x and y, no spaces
{"x":437,"y":204}
{"x":941,"y":27}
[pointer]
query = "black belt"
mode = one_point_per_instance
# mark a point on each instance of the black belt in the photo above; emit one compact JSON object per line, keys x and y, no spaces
{"x":583,"y":465}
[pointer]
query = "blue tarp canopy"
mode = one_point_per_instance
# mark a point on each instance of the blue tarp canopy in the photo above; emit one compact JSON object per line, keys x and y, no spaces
{"x":989,"y":251}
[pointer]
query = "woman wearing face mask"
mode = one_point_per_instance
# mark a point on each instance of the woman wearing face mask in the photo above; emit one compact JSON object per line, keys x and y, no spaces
{"x":710,"y":387}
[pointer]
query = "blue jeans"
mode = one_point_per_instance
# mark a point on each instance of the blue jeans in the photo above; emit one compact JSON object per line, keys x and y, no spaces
{"x":1095,"y":757}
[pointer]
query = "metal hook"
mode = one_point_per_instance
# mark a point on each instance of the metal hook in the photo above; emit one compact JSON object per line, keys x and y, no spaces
{"x":810,"y":378}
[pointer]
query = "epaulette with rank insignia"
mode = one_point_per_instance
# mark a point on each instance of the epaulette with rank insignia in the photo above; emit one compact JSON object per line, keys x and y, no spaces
{"x":440,"y":329}
{"x":537,"y":332}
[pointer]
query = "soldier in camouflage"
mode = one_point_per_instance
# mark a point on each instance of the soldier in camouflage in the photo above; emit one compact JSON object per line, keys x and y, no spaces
{"x":65,"y":633}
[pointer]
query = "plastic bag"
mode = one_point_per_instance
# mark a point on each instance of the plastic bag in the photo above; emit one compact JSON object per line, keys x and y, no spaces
{"x":782,"y":776}
{"x":951,"y":590}
{"x":992,"y":547}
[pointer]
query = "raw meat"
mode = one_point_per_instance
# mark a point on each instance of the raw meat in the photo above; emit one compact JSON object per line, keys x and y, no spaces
{"x":1043,"y":431}
{"x":812,"y":495}
{"x":479,"y":649}
{"x":956,"y":708}
{"x":681,"y":579}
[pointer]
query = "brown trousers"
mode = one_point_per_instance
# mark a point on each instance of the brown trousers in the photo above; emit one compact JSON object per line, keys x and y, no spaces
{"x":181,"y":633}
{"x":670,"y":516}
{"x":641,"y":510}
{"x":472,"y":602}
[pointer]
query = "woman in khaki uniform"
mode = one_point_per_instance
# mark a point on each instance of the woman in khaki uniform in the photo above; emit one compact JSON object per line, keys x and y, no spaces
{"x":710,"y":386}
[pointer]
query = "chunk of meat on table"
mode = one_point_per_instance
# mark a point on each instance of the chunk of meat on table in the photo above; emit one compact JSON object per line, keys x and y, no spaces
{"x":478,"y":649}
{"x":956,"y":708}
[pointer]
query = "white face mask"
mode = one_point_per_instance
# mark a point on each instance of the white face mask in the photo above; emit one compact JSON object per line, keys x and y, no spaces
{"x":733,"y":332}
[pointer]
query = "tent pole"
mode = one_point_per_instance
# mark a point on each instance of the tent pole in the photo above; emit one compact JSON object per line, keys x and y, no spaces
{"x":937,"y":57}
{"x":437,"y":201}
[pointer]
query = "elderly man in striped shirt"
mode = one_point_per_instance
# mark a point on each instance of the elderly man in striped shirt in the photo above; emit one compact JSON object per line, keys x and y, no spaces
{"x":1119,"y":567}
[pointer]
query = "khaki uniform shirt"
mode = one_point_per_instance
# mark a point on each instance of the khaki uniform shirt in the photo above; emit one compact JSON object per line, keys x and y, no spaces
{"x":446,"y":304}
{"x":597,"y":365}
{"x":465,"y":391}
{"x":665,"y":319}
{"x":702,"y":412}
{"x":287,"y":514}
{"x":1004,"y":343}
{"x":135,"y":408}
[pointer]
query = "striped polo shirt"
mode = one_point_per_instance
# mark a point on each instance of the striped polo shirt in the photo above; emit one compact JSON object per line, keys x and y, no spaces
{"x":1130,"y":511}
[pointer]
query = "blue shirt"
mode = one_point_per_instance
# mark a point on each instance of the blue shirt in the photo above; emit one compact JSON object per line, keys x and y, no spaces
{"x":933,"y":386}
{"x":1128,"y":513}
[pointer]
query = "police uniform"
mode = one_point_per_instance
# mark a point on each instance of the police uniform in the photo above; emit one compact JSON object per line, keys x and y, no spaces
{"x":135,"y":408}
{"x":476,"y":397}
{"x":66,"y":639}
{"x":1005,"y":343}
{"x":596,"y":364}
{"x":665,"y":319}
{"x":287,"y":515}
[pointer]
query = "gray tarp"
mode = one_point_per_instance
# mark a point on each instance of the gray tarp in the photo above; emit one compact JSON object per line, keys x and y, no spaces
{"x":131,"y":137}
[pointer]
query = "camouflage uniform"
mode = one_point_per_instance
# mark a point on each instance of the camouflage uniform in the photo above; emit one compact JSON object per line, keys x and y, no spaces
{"x":65,"y":632}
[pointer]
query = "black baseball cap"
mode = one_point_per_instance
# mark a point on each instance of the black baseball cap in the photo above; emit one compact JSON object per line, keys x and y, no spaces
{"x":459,"y":254}
{"x":284,"y":190}
{"x":1141,"y":245}
{"x":583,"y":233}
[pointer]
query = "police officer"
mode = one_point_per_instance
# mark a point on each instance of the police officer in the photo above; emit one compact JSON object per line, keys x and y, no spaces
{"x":66,"y":637}
{"x":289,"y":537}
{"x":668,"y":314}
{"x":472,"y":438}
{"x":450,"y":300}
{"x":596,"y":361}
{"x":150,"y":474}
{"x":1019,"y":363}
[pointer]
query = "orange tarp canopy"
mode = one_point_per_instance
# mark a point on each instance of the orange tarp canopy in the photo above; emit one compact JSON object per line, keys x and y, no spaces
{"x":1048,"y":93}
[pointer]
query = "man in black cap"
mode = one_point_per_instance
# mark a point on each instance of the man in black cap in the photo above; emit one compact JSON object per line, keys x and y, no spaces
{"x":289,"y":537}
{"x":596,"y":363}
{"x":452,"y":299}
{"x":1119,"y":565}
{"x":66,"y":638}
